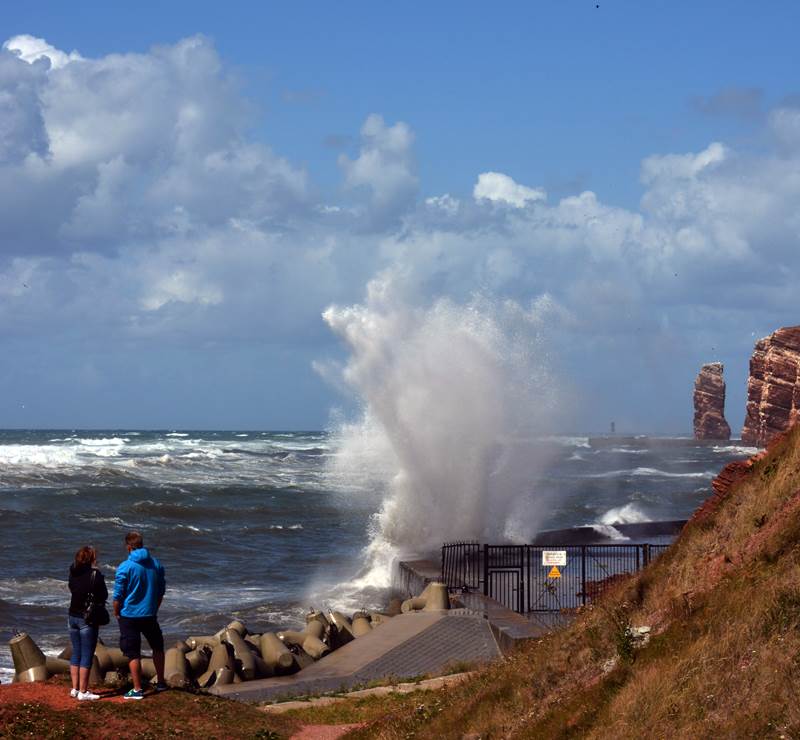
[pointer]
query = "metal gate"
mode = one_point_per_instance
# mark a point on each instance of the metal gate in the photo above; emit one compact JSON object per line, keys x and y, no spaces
{"x":518,"y":577}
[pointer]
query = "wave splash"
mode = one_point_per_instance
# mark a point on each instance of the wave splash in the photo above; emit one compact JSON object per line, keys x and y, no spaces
{"x":455,"y":399}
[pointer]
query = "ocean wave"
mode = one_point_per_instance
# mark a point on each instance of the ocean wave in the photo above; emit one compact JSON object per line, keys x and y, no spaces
{"x":627,"y":514}
{"x":176,"y":510}
{"x":736,"y":450}
{"x":102,"y":441}
{"x":176,"y":434}
{"x":115,"y":520}
{"x":47,"y":456}
{"x":649,"y":473}
{"x":297,"y":446}
{"x":620,"y":451}
{"x":192,"y":528}
{"x":36,"y":591}
{"x":609,"y":531}
{"x":262,"y":528}
{"x":569,"y":441}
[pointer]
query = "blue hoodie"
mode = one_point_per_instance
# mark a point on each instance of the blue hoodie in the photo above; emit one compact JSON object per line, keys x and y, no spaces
{"x":139,"y":584}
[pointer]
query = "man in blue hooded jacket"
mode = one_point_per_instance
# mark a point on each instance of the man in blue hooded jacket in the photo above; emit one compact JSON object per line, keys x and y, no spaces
{"x":139,"y":587}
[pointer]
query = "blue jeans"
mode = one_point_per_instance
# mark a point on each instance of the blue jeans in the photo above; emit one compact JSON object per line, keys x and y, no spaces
{"x":84,"y":641}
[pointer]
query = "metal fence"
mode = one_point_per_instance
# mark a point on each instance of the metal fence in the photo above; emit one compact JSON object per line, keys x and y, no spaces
{"x":535,"y":578}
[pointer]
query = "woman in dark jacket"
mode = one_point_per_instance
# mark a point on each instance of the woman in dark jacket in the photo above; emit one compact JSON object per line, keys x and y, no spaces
{"x":84,"y":578}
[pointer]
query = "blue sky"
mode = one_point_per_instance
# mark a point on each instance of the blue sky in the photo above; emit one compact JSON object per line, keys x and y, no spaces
{"x":181,"y":265}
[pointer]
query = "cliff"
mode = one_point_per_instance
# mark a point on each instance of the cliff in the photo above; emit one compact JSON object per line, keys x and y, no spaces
{"x":709,"y":404}
{"x":705,"y":642}
{"x":773,"y":388}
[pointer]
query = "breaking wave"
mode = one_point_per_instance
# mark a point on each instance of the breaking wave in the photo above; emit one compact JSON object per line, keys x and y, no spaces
{"x":455,"y":399}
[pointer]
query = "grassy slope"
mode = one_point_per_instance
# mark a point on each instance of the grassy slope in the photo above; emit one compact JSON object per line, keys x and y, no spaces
{"x":723,"y":661}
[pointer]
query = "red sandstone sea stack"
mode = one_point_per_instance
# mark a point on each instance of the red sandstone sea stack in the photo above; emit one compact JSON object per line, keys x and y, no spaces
{"x":773,"y":389}
{"x":709,"y":404}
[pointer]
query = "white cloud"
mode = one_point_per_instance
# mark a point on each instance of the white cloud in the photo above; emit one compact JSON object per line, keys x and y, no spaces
{"x":31,"y":49}
{"x":500,"y":188}
{"x":385,"y":166}
{"x":134,"y":204}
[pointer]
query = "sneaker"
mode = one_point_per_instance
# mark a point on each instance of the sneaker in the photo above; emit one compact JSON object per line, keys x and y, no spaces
{"x":87,"y":696}
{"x":134,"y":694}
{"x":161,"y":687}
{"x":73,"y":693}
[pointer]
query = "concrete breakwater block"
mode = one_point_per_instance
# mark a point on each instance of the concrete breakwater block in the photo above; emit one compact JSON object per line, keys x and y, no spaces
{"x":413,"y":644}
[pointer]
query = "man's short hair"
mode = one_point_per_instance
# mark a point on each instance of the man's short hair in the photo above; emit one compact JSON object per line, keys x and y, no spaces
{"x":134,"y":540}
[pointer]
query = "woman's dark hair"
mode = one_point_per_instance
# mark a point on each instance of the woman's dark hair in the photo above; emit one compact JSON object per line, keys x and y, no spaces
{"x":85,"y":556}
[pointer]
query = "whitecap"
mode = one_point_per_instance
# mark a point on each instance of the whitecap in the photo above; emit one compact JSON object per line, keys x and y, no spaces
{"x":736,"y":450}
{"x":621,"y":451}
{"x":39,"y":455}
{"x":627,"y":514}
{"x":608,"y":531}
{"x":650,"y":473}
{"x":569,"y":441}
{"x":115,"y":520}
{"x":103,"y":441}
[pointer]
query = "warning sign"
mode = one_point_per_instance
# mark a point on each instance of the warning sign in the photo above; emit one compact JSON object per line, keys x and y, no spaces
{"x":554,"y":573}
{"x":554,"y":557}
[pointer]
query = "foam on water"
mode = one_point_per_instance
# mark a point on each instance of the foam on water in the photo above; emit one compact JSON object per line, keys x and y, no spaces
{"x":736,"y":449}
{"x":608,"y":531}
{"x":627,"y":514}
{"x":455,"y":399}
{"x":651,"y":473}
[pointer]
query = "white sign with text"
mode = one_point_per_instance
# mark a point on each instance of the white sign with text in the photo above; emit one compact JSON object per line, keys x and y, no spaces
{"x":554,"y":557}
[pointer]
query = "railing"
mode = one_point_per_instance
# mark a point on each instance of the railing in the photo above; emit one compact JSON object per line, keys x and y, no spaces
{"x":535,"y":578}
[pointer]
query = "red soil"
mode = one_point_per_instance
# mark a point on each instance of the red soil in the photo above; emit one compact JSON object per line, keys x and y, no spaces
{"x":53,"y":693}
{"x":323,"y":732}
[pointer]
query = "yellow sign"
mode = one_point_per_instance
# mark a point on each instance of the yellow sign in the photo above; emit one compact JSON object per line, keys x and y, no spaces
{"x":554,"y":573}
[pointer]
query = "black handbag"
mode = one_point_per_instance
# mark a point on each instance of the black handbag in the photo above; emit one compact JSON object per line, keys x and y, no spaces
{"x":95,"y":613}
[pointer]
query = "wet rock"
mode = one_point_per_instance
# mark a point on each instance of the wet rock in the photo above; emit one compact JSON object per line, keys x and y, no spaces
{"x":773,"y":388}
{"x":709,"y":404}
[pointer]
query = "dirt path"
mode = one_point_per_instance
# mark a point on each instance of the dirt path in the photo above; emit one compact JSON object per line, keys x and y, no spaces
{"x":324,"y":732}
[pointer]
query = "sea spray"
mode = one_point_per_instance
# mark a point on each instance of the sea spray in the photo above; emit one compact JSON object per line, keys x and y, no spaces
{"x":455,"y":399}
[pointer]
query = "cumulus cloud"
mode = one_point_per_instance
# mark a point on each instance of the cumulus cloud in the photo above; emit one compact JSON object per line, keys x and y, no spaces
{"x":136,"y":206}
{"x":385,"y":166}
{"x":500,"y":188}
{"x":31,"y":49}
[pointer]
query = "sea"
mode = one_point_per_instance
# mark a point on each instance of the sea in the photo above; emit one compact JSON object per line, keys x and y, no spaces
{"x":256,"y":525}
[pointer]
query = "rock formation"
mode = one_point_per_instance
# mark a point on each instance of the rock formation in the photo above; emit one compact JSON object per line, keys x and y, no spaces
{"x":773,"y":389}
{"x":709,"y":404}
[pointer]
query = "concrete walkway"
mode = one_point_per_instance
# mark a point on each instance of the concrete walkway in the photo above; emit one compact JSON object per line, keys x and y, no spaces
{"x":429,"y":684}
{"x":405,"y":646}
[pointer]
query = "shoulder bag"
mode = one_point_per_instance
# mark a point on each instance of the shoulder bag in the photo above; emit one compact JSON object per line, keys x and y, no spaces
{"x":95,"y":613}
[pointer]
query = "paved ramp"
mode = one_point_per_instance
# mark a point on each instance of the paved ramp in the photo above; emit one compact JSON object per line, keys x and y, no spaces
{"x":406,"y":646}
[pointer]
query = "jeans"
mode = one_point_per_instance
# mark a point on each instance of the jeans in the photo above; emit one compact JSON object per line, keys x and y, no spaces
{"x":84,"y":641}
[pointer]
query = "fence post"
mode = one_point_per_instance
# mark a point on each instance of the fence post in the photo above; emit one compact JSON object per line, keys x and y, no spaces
{"x":444,"y":575}
{"x":646,"y":554}
{"x":485,"y":569}
{"x":583,"y":575}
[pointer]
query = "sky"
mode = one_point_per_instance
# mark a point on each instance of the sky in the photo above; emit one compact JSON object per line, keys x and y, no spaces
{"x":185,"y":188}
